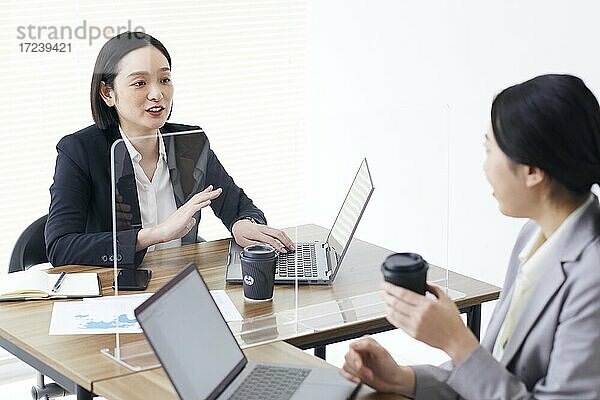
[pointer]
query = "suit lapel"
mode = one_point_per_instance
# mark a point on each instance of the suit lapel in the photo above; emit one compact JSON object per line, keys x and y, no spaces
{"x":187,"y":158}
{"x":173,"y":171}
{"x":501,"y":308}
{"x":124,"y":176}
{"x":545,"y":289}
{"x":496,"y":322}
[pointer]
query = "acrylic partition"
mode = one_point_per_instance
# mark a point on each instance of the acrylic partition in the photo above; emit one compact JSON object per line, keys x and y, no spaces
{"x":352,"y":206}
{"x":191,"y":166}
{"x":395,"y":201}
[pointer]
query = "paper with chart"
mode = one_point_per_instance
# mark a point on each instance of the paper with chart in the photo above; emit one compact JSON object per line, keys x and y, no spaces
{"x":112,"y":314}
{"x":96,"y":316}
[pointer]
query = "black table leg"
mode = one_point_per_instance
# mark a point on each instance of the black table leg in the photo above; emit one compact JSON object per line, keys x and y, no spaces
{"x":474,"y":319}
{"x":320,"y":352}
{"x":83,"y":394}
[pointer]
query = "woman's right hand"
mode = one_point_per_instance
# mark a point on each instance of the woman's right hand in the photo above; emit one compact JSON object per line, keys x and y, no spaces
{"x":369,"y":363}
{"x":179,"y":223}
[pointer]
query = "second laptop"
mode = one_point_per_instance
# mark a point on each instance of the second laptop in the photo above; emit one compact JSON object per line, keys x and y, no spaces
{"x":318,"y":262}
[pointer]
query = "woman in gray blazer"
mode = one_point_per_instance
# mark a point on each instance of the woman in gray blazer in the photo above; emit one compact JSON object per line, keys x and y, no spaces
{"x":543,"y":341}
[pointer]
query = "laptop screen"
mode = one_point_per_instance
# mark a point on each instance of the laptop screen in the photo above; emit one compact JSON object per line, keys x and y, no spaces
{"x":354,"y":205}
{"x":190,"y":337}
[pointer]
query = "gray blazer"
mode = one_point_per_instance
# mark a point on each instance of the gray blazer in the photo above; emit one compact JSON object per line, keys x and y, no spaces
{"x":554,"y":352}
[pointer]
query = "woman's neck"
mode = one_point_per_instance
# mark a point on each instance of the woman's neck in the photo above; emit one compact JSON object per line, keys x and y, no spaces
{"x":551,"y":214}
{"x":145,"y":143}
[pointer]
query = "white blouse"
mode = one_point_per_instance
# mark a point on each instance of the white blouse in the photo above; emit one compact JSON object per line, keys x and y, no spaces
{"x":156,"y":197}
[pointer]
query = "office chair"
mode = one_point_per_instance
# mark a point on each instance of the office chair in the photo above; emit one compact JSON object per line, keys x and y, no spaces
{"x":30,"y":250}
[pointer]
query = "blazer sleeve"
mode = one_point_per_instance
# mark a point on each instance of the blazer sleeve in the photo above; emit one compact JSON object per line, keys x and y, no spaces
{"x":233,"y":204}
{"x":574,"y":367}
{"x":67,"y":238}
{"x":573,"y":372}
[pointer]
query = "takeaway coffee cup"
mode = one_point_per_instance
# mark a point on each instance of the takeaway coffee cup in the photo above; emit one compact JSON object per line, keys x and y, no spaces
{"x":258,"y":271}
{"x":408,"y":270}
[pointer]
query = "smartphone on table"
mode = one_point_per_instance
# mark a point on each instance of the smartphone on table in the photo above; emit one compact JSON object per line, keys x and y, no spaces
{"x":133,"y":279}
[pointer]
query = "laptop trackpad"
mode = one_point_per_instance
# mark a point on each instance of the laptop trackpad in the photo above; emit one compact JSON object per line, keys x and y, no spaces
{"x":324,"y":383}
{"x":325,"y":391}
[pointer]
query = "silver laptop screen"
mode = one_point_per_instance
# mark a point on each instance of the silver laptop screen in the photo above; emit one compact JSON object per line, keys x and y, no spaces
{"x":190,"y":337}
{"x":347,"y":220}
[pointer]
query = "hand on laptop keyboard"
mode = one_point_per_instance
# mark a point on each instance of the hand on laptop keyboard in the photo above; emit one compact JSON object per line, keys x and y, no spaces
{"x":245,"y":232}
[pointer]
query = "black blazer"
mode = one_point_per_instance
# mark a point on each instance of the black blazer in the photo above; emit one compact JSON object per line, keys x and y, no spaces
{"x":79,"y":227}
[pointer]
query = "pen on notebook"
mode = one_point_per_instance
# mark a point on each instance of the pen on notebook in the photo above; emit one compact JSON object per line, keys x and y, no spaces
{"x":355,"y":392}
{"x":59,"y":282}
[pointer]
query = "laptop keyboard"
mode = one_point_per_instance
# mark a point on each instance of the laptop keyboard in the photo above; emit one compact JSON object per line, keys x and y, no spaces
{"x":304,"y":256}
{"x":268,"y":382}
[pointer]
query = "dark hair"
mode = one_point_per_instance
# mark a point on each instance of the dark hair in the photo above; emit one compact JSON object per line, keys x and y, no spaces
{"x":106,"y":70}
{"x":551,"y":122}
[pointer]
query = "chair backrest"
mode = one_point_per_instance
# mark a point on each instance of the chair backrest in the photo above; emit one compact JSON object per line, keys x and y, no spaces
{"x":30,"y":248}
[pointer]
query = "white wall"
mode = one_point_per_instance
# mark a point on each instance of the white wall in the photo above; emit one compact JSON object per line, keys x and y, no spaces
{"x":410,"y":84}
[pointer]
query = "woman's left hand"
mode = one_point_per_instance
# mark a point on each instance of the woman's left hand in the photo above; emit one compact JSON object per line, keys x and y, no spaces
{"x":246,"y":233}
{"x":435,"y":322}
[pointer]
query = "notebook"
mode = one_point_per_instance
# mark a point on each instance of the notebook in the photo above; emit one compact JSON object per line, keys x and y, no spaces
{"x":203,"y":360}
{"x":318,"y":262}
{"x":35,"y":285}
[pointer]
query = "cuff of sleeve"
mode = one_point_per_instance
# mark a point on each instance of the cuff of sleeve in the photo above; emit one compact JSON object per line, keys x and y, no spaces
{"x":480,"y":360}
{"x":257,"y":219}
{"x":126,"y":244}
{"x":430,"y":382}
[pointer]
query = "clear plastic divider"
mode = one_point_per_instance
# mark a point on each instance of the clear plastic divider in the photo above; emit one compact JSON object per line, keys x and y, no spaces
{"x":352,"y":225}
{"x":408,"y":210}
{"x":187,"y":156}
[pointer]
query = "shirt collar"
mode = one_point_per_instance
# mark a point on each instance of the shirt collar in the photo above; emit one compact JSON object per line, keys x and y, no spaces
{"x":526,"y":253}
{"x":135,"y":155}
{"x":162,"y":153}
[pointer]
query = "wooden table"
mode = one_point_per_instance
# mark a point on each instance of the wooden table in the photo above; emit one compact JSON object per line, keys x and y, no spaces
{"x":359,"y":274}
{"x":75,"y":361}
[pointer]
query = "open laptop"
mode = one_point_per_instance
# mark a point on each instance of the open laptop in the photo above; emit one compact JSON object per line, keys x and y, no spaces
{"x":317,"y":262}
{"x":203,"y":360}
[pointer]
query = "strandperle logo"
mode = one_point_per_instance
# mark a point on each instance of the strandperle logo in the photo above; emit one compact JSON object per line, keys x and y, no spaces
{"x":41,"y":33}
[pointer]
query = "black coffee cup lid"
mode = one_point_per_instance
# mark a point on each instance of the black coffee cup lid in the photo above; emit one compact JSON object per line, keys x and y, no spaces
{"x":404,"y":261}
{"x":259,"y":251}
